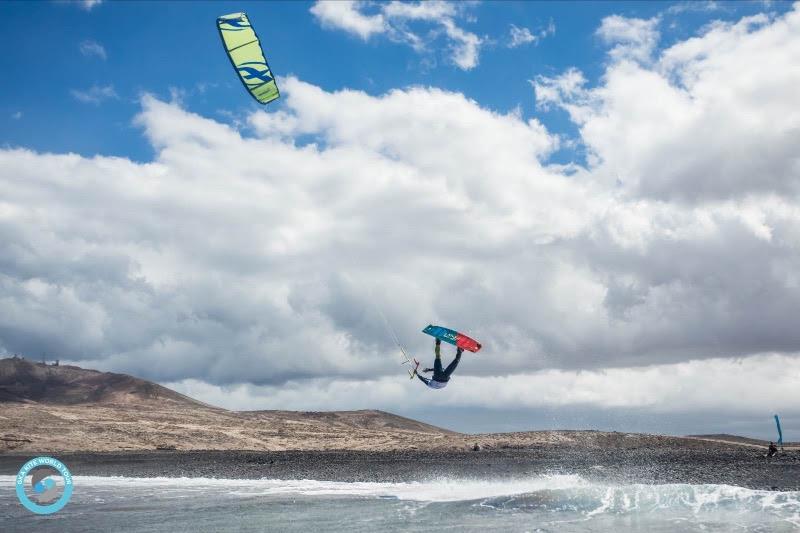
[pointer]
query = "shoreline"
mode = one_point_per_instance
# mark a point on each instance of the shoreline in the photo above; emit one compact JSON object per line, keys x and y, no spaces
{"x":728,"y":465}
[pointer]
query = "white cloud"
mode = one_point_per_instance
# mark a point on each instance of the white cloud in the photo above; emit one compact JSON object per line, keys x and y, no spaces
{"x":394,"y":20}
{"x":430,"y":10}
{"x":706,"y":6}
{"x":465,"y":45}
{"x":632,"y":38}
{"x":96,"y":94}
{"x":16,"y":115}
{"x":749,"y":386}
{"x":708,"y":120}
{"x":345,"y":15}
{"x":92,"y":48}
{"x":521,"y":36}
{"x":564,"y":90}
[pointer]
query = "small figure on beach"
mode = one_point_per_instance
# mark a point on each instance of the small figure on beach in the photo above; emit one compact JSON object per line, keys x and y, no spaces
{"x":440,"y":375}
{"x":772,"y":450}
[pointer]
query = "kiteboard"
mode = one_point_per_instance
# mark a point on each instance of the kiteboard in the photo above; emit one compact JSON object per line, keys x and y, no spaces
{"x":453,"y":337}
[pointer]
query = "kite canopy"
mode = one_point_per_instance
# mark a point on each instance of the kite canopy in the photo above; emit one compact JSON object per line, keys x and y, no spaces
{"x":780,"y":433}
{"x":247,"y":57}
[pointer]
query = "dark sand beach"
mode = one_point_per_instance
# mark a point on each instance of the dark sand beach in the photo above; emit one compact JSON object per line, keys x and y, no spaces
{"x":717,"y":464}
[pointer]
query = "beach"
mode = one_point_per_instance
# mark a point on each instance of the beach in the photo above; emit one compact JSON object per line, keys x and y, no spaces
{"x":706,"y":463}
{"x":547,"y":490}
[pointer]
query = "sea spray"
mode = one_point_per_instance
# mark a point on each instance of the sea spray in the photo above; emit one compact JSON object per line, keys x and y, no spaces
{"x":549,"y":503}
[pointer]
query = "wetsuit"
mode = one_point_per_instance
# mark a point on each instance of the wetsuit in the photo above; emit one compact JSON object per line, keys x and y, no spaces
{"x":441,"y":376}
{"x":772,"y":450}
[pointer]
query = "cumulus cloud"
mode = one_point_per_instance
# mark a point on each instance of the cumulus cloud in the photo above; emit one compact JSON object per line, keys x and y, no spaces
{"x":345,"y":15}
{"x":632,"y":38}
{"x":706,"y":6}
{"x":708,"y":120}
{"x":464,"y":47}
{"x":402,"y":22}
{"x":268,"y":259}
{"x":565,"y":90}
{"x":522,"y":36}
{"x":749,"y":386}
{"x":91,"y":48}
{"x":96,"y":94}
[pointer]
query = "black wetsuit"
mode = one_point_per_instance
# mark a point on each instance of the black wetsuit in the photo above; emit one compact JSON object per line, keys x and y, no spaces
{"x":441,"y":376}
{"x":772,"y":450}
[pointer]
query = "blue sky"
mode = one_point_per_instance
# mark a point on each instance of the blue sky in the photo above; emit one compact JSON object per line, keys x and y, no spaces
{"x":157,"y":47}
{"x":605,"y":194}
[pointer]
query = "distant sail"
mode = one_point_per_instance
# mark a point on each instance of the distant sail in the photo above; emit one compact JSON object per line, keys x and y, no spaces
{"x":780,"y":433}
{"x":247,"y":57}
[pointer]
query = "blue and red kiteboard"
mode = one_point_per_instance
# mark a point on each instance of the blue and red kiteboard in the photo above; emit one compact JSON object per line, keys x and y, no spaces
{"x":453,"y":337}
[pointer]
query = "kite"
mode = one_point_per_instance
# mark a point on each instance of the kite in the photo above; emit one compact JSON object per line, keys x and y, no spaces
{"x":247,"y":57}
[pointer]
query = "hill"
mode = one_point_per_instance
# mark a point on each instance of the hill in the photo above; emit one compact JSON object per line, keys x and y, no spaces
{"x":22,"y":380}
{"x":68,"y":408}
{"x":46,"y":408}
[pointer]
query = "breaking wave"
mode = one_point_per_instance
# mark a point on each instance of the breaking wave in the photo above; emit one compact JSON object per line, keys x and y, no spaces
{"x":555,"y":493}
{"x":569,"y":496}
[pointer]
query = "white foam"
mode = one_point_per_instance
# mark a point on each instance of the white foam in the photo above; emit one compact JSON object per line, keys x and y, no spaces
{"x":560,"y":490}
{"x":441,"y":490}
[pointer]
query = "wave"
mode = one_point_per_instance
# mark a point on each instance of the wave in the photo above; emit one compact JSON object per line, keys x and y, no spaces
{"x":570,"y":493}
{"x":440,"y":490}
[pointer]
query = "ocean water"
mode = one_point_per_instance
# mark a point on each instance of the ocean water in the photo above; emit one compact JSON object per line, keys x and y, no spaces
{"x":559,"y":503}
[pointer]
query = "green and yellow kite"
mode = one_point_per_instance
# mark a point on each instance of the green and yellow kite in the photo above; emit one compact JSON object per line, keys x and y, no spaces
{"x":247,"y":57}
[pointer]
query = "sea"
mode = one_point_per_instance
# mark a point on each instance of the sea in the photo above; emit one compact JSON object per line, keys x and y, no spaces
{"x":557,"y":503}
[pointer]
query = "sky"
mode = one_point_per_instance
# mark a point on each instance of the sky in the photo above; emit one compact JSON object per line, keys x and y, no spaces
{"x":604,"y":194}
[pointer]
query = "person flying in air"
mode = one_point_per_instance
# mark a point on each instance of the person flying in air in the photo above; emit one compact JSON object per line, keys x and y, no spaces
{"x":440,"y":376}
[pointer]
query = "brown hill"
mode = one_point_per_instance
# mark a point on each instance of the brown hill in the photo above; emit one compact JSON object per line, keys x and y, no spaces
{"x":67,"y":408}
{"x":367,"y":419}
{"x":56,"y":409}
{"x":22,"y":380}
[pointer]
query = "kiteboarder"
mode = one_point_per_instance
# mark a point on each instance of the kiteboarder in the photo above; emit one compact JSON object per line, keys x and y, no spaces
{"x":772,"y":450}
{"x":441,"y":376}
